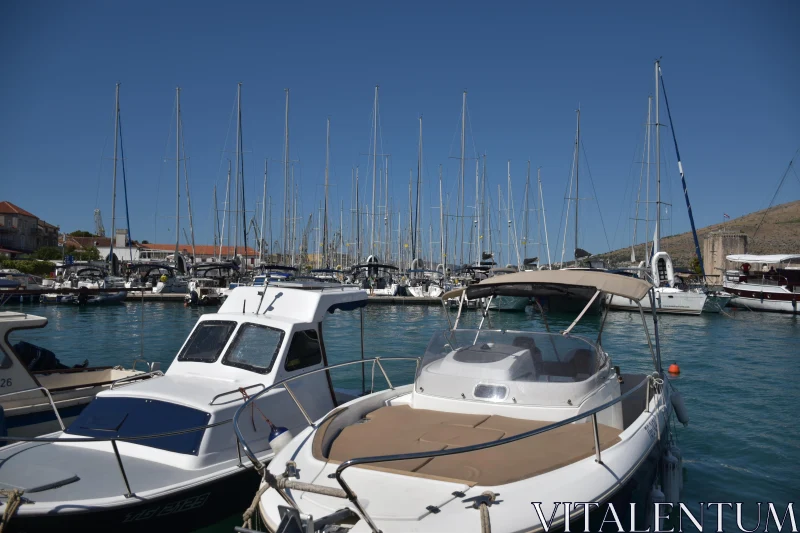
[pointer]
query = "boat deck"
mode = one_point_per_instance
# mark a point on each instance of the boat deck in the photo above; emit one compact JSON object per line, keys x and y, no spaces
{"x":401,"y":429}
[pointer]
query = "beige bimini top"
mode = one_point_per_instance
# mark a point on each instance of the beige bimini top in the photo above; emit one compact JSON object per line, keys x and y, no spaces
{"x":537,"y":282}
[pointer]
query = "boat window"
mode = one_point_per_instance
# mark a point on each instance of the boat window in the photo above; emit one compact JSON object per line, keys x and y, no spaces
{"x":136,"y":417}
{"x":5,"y":360}
{"x":304,"y":351}
{"x":254,"y":348}
{"x":207,"y":341}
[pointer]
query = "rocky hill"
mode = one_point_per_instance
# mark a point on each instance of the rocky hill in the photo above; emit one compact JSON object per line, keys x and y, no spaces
{"x":779,"y":234}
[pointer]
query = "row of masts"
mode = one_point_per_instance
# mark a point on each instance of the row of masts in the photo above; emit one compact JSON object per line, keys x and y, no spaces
{"x":462,"y":237}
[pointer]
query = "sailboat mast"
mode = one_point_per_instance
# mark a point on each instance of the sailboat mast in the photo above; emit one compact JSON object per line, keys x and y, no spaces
{"x":544,"y":218}
{"x":657,"y":239}
{"x":358,"y":224}
{"x":508,"y":214}
{"x":441,"y":225}
{"x":461,"y":184}
{"x":525,"y":211}
{"x":374,"y":169}
{"x":577,"y":165}
{"x":325,"y":209}
{"x":647,"y":185}
{"x":236,"y":179}
{"x":414,"y":252}
{"x":216,"y":222}
{"x":286,"y":205}
{"x":114,"y":179}
{"x":263,"y":216}
{"x":177,"y":172}
{"x":226,"y":216}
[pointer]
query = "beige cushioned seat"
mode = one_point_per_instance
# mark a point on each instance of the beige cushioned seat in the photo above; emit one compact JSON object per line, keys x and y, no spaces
{"x":401,"y":429}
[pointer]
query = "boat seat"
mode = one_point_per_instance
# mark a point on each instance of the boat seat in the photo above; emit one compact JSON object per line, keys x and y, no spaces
{"x":402,"y":429}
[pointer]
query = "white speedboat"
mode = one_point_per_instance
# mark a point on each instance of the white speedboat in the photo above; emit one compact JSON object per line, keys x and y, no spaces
{"x":775,"y":290}
{"x":33,"y":381}
{"x":160,"y":454}
{"x":494,"y":422}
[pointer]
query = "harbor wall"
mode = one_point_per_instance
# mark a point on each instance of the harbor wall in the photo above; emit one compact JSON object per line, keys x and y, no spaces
{"x":716,"y":246}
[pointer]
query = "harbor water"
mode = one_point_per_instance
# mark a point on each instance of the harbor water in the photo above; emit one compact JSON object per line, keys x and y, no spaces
{"x":737,"y":377}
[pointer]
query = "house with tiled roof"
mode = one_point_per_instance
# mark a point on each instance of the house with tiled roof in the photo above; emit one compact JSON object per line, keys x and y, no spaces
{"x":23,"y":232}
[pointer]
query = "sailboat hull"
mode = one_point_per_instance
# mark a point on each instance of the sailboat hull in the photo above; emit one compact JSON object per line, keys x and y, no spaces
{"x":668,"y":300}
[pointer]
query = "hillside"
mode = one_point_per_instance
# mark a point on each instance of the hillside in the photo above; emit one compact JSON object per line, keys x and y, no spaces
{"x":778,"y":234}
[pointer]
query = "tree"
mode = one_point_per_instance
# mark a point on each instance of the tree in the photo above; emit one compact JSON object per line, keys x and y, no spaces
{"x":47,"y":253}
{"x":145,"y":242}
{"x":81,"y":233}
{"x":694,"y":266}
{"x":89,"y":254}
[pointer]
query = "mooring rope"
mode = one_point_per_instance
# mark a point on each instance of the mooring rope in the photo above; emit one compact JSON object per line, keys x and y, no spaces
{"x":13,"y":501}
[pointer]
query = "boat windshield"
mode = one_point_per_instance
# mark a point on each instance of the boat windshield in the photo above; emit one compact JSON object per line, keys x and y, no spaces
{"x":506,"y":356}
{"x":207,"y":341}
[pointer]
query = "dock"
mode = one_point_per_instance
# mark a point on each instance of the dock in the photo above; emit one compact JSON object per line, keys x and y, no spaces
{"x":377,"y":300}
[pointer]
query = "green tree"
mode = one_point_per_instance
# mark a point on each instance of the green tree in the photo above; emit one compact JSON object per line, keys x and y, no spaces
{"x":81,"y":233}
{"x":694,"y":266}
{"x":37,"y":268}
{"x":48,"y":253}
{"x":145,"y":242}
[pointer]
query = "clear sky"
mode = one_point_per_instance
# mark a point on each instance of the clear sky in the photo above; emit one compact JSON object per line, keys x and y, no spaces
{"x":732,"y":71}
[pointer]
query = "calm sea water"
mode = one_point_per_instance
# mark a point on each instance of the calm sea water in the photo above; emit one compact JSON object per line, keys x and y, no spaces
{"x":738,"y":377}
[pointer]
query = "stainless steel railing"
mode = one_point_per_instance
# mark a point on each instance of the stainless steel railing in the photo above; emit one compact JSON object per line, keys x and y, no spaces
{"x":49,"y":397}
{"x":651,"y":381}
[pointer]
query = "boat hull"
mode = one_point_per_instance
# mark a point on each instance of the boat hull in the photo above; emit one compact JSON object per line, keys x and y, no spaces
{"x":668,"y":301}
{"x":183,"y":510}
{"x":757,"y":297}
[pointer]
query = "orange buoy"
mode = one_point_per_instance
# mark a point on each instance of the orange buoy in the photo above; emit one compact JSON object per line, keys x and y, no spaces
{"x":674,"y":368}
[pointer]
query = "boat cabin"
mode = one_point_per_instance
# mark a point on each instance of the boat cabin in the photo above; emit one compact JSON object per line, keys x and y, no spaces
{"x":257,"y":337}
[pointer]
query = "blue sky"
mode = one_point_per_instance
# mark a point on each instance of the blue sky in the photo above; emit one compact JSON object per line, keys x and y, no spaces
{"x":731,"y":68}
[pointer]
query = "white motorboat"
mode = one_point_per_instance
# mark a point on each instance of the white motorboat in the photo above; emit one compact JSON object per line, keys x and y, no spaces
{"x":160,"y":454}
{"x":494,"y":421}
{"x":760,"y":290}
{"x":33,"y":381}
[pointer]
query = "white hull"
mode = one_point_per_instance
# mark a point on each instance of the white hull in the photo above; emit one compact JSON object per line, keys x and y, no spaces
{"x":668,"y":300}
{"x":758,"y":297}
{"x":434,"y":291}
{"x":391,"y":290}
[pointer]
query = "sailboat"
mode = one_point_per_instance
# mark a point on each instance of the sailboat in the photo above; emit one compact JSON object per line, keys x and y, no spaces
{"x":669,"y":297}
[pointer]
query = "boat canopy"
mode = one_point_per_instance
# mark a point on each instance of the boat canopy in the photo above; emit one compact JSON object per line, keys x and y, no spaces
{"x":549,"y":282}
{"x":749,"y":258}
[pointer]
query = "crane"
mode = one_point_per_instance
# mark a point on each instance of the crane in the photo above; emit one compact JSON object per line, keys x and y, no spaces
{"x":99,"y":229}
